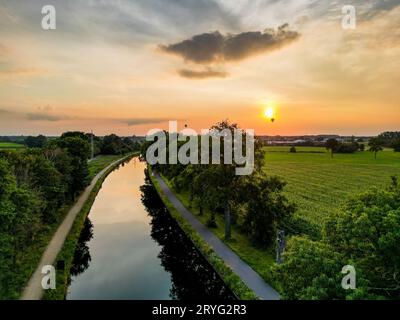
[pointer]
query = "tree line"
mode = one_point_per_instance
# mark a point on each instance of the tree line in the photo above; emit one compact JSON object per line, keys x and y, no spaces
{"x":254,"y":203}
{"x":35,"y":185}
{"x":375,"y":144}
{"x":109,"y":144}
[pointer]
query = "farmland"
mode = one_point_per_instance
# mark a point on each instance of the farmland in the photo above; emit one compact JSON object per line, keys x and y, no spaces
{"x":10,"y":146}
{"x":318,"y":184}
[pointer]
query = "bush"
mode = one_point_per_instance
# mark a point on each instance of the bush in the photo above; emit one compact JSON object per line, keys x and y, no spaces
{"x":293,"y":149}
{"x":365,"y":234}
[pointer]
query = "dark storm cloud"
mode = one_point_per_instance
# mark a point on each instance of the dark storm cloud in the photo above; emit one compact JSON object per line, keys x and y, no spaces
{"x":203,"y":74}
{"x":213,"y":47}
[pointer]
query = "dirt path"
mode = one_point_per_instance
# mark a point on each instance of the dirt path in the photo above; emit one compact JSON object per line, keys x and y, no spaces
{"x":241,"y":268}
{"x":34,"y":290}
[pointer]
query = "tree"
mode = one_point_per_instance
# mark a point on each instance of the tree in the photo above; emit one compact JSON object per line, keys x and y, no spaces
{"x":266,"y":208}
{"x":78,"y":149}
{"x":310,"y":270}
{"x":332,"y":145}
{"x":293,"y":149}
{"x":375,"y":145}
{"x":36,"y":142}
{"x":388,"y":138}
{"x":396,"y":145}
{"x":365,"y":233}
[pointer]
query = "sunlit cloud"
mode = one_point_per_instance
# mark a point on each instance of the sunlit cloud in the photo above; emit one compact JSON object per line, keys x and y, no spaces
{"x":202,"y":74}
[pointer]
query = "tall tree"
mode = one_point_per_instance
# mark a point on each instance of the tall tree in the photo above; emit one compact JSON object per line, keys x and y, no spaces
{"x":332,"y":145}
{"x":375,"y":145}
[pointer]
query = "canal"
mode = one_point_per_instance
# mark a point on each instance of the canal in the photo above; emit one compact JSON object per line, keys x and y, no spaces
{"x":131,"y":248}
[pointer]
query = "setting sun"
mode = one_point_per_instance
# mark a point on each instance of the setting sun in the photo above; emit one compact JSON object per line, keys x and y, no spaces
{"x":270,"y":113}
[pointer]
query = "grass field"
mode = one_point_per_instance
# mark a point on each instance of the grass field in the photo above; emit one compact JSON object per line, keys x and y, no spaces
{"x":10,"y":145}
{"x":100,"y":162}
{"x":318,"y":184}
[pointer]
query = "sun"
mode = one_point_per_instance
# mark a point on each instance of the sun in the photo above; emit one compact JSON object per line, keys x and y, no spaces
{"x":269,"y":112}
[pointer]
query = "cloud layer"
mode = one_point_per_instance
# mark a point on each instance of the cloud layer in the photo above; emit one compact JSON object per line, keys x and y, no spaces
{"x":202,"y":74}
{"x":214,"y":47}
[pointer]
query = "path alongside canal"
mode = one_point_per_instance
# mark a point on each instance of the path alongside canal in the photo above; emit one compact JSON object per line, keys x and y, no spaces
{"x":251,"y":278}
{"x":34,"y":290}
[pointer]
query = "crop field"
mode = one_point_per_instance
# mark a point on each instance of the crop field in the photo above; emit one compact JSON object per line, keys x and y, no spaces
{"x":318,"y":184}
{"x":10,"y":146}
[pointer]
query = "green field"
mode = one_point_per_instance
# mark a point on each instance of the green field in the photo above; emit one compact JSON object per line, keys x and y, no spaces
{"x":318,"y":184}
{"x":10,"y":146}
{"x":101,"y":162}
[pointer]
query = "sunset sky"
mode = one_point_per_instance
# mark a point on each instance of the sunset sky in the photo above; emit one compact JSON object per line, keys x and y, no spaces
{"x":128,"y":66}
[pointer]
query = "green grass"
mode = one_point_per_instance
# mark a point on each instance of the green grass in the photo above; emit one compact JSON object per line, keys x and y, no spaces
{"x":318,"y":184}
{"x":10,"y":146}
{"x":232,"y":280}
{"x":101,"y":162}
{"x":260,"y":259}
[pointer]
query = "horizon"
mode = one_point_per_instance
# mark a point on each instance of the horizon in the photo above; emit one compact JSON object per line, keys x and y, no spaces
{"x":105,"y":68}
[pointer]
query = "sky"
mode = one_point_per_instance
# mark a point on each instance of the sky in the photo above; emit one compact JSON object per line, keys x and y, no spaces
{"x":128,"y":66}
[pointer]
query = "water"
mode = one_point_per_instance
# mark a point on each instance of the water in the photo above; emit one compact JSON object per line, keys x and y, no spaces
{"x":131,"y":248}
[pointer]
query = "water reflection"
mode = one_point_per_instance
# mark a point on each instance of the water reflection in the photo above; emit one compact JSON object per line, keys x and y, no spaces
{"x":131,"y":248}
{"x":192,"y":276}
{"x":82,"y":256}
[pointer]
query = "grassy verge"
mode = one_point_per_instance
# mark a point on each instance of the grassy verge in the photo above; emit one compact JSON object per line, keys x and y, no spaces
{"x":67,"y":252}
{"x":259,"y":259}
{"x":101,"y":162}
{"x":228,"y":276}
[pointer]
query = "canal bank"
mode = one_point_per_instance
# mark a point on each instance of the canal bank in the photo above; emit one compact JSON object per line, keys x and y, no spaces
{"x":62,"y":258}
{"x":127,"y":246}
{"x":249,"y":285}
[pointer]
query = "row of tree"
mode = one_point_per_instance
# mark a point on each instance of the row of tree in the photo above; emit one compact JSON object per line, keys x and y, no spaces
{"x":376,"y":144}
{"x":110,"y":144}
{"x":364,"y":234}
{"x":34,"y":185}
{"x":255,"y":202}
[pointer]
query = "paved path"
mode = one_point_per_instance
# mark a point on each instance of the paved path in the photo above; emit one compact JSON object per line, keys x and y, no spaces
{"x":33,"y":290}
{"x":242,"y":269}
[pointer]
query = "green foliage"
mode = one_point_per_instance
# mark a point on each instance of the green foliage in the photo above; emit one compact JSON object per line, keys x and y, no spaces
{"x":77,"y":148}
{"x":114,"y":145}
{"x":396,"y":145}
{"x":229,"y":277}
{"x":365,"y":234}
{"x":332,"y":145}
{"x":266,"y":208}
{"x":35,"y":142}
{"x":311,"y":270}
{"x":293,"y":149}
{"x":375,"y":145}
{"x":389,"y":138}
